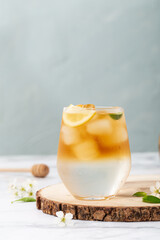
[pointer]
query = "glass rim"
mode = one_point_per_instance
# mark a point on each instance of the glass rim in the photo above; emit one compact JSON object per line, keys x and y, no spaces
{"x":109,"y":109}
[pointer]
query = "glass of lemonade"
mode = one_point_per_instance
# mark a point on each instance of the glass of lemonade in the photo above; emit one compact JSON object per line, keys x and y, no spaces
{"x":93,"y":155}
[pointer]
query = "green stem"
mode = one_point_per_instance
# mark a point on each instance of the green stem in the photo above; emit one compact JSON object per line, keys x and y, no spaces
{"x":25,"y":199}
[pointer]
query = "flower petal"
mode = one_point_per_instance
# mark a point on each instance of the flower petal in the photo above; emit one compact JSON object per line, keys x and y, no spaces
{"x":62,"y":224}
{"x":157,"y":184}
{"x":68,"y":216}
{"x":153,"y":194}
{"x":60,"y":214}
{"x":152,"y":188}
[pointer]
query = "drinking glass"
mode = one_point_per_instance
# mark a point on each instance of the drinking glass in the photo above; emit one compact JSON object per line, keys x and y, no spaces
{"x":93,"y":158}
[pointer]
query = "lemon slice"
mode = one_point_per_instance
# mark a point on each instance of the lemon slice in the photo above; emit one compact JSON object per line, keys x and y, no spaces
{"x":74,"y":116}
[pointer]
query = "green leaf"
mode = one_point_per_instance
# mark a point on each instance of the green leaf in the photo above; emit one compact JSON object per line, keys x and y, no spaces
{"x":151,"y":199}
{"x":25,"y":199}
{"x":139,"y":194}
{"x":116,"y":116}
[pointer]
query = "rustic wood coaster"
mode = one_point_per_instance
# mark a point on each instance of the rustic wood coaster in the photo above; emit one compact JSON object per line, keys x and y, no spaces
{"x":122,"y":208}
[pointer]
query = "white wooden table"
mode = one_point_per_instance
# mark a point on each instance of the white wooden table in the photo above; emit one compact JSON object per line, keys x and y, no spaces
{"x":24,"y":221}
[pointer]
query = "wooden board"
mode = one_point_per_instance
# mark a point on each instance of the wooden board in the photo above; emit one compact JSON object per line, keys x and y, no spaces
{"x":122,"y":208}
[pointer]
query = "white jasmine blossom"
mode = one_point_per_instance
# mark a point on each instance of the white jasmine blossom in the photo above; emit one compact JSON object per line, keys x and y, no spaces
{"x":155,"y":190}
{"x":64,"y":220}
{"x":16,"y":194}
{"x":12,"y":186}
{"x":31,"y":193}
{"x":30,"y":185}
{"x":23,"y":189}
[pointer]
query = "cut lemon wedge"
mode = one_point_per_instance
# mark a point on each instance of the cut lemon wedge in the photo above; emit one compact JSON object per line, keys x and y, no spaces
{"x":74,"y":116}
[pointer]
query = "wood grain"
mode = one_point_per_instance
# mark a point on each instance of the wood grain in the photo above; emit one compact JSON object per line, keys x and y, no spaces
{"x":122,"y":208}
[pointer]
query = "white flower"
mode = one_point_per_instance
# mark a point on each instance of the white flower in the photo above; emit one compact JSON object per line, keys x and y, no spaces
{"x":23,"y":189}
{"x":30,"y":185}
{"x":12,"y":186}
{"x":16,"y":194}
{"x":30,"y":193}
{"x":64,"y":220}
{"x":155,"y":190}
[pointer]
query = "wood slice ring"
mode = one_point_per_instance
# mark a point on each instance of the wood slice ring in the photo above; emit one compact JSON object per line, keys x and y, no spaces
{"x":122,"y":208}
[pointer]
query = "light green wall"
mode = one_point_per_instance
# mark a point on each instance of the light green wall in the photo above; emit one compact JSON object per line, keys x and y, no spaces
{"x":57,"y":52}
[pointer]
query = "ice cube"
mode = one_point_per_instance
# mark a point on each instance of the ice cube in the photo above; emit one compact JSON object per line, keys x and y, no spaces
{"x":117,"y":136}
{"x":86,"y":150}
{"x":99,"y":127}
{"x":70,"y":135}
